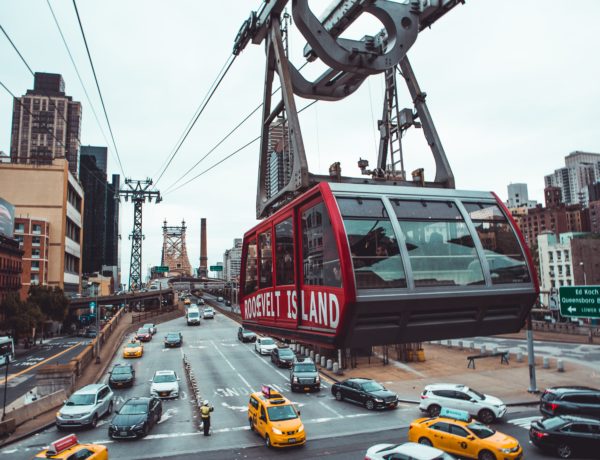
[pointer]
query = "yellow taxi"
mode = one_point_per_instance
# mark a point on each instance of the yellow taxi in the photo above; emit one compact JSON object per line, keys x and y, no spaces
{"x":275,"y":419}
{"x":133,"y":349}
{"x":187,"y":301}
{"x":69,"y":448}
{"x":456,"y":433}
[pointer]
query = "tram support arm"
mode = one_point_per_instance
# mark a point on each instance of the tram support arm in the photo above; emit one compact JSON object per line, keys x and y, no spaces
{"x":531,"y":357}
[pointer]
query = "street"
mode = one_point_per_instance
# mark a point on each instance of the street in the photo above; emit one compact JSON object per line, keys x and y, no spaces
{"x":227,"y":372}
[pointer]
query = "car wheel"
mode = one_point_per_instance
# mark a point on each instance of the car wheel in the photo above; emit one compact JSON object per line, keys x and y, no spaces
{"x":486,"y":416}
{"x":564,"y":451}
{"x":486,"y":455}
{"x":267,"y":441}
{"x":145,"y":431}
{"x":434,"y":410}
{"x":60,"y":428}
{"x":110,"y":408}
{"x":94,"y":420}
{"x":425,"y":442}
{"x":339,"y":396}
{"x":370,"y":404}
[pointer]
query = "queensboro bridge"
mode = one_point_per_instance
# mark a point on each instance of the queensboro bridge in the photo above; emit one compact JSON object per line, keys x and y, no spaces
{"x":174,"y":252}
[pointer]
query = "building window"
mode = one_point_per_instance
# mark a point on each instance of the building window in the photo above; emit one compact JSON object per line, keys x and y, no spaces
{"x":35,"y":278}
{"x":550,"y":257}
{"x":35,"y":253}
{"x":36,"y":241}
{"x":35,"y":265}
{"x":19,"y":228}
{"x":36,"y":229}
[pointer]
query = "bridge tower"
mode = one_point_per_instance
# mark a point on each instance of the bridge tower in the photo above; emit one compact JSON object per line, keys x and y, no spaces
{"x":138,"y":191}
{"x":174,"y":252}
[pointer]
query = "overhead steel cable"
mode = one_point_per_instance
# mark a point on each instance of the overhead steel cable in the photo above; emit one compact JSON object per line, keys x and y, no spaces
{"x":203,"y":105}
{"x":16,"y":49}
{"x":98,"y":87}
{"x":223,"y":139}
{"x":232,"y":154}
{"x":80,"y":79}
{"x":49,"y":131}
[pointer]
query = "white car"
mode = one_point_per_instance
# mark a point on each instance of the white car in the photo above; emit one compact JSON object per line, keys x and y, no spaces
{"x":484,"y":407}
{"x":408,"y":450}
{"x":264,"y":345}
{"x":208,"y":312}
{"x":164,"y":384}
{"x":151,"y":327}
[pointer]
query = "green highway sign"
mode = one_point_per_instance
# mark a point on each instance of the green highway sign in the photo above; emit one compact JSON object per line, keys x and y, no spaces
{"x":161,"y":269}
{"x":216,"y":268}
{"x":580,"y":301}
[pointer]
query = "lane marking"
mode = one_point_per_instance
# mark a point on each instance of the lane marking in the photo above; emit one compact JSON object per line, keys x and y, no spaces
{"x":524,"y":422}
{"x":231,"y":365}
{"x":12,"y":376}
{"x":331,"y":409}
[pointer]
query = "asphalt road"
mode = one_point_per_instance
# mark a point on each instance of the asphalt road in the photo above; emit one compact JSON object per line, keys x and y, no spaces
{"x":21,"y":371}
{"x":228,"y":371}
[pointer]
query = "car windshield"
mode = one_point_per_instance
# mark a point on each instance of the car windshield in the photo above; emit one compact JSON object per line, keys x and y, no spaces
{"x":372,"y":386}
{"x":552,"y":423}
{"x":193,"y":314}
{"x":133,"y":409}
{"x":81,"y":400}
{"x":148,"y":326}
{"x":132,"y":345}
{"x":121,"y":370}
{"x":142,"y":331}
{"x":279,"y":413}
{"x":267,"y":342}
{"x":481,"y":431}
{"x":305,"y":367}
{"x":247,"y":332}
{"x":476,"y":393}
{"x":162,"y":378}
{"x":209,"y":310}
{"x":286,"y":353}
{"x":173,"y":336}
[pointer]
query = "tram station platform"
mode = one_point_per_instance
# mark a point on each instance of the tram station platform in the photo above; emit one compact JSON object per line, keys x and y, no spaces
{"x":443,"y":364}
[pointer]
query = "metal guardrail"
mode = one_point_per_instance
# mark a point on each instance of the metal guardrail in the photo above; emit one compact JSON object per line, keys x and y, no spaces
{"x":192,"y":383}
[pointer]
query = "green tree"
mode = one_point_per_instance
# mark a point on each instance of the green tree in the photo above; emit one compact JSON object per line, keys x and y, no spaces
{"x":20,"y":317}
{"x":51,"y":302}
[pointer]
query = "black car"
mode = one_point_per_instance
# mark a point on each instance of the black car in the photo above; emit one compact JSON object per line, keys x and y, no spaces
{"x":571,"y":400}
{"x":121,"y":375}
{"x":173,"y":339}
{"x":367,"y":392}
{"x":245,"y":335}
{"x":135,"y":418}
{"x":304,"y":375}
{"x":228,"y":303}
{"x":282,"y":357}
{"x":567,"y":435}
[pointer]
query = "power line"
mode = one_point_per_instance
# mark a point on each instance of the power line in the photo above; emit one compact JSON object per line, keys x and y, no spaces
{"x":98,"y":86}
{"x":201,"y":108}
{"x":17,"y":50}
{"x":232,"y":154}
{"x":81,"y":81}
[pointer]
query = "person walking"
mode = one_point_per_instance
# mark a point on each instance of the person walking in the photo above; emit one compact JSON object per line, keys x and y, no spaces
{"x":205,"y":411}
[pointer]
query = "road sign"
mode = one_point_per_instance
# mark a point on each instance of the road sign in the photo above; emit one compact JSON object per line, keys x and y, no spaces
{"x":216,"y":268}
{"x":580,"y":301}
{"x":161,"y":269}
{"x":92,"y":306}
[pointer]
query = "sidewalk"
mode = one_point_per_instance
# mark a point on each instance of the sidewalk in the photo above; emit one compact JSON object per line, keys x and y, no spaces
{"x":449,"y":365}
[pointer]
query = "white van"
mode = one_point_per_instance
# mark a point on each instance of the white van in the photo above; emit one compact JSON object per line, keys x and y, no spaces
{"x":193,"y":316}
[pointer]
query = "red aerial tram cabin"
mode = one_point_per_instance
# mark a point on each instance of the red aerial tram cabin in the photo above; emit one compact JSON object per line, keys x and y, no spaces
{"x":352,"y":265}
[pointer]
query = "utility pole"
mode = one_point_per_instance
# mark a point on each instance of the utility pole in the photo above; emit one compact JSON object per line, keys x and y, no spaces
{"x":138,"y":191}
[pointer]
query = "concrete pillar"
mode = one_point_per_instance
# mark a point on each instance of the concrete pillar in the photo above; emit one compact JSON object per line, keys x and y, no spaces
{"x":560,"y":366}
{"x":460,"y":344}
{"x":312,"y":355}
{"x":329,"y":364}
{"x":317,"y":358}
{"x":495,"y":350}
{"x":449,"y":343}
{"x":519,"y":356}
{"x":336,"y":368}
{"x":546,"y":363}
{"x":302,"y":350}
{"x":483,"y":350}
{"x":472,"y":346}
{"x":323,"y":361}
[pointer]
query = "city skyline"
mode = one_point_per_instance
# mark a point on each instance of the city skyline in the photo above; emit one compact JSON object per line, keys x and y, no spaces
{"x":499,"y":98}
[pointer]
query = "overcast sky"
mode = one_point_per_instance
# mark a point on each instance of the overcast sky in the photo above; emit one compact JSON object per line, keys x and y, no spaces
{"x":512,"y":85}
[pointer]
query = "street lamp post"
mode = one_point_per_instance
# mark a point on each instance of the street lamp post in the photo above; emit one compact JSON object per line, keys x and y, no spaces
{"x":97,"y":325}
{"x":6,"y":362}
{"x":591,"y":331}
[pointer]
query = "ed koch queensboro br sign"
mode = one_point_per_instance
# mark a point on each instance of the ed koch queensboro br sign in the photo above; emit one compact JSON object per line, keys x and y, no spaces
{"x":580,"y":301}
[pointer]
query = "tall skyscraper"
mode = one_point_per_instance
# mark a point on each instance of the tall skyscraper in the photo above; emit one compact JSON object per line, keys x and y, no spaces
{"x":517,"y":195}
{"x":99,"y":153}
{"x":46,"y":124}
{"x":581,"y":169}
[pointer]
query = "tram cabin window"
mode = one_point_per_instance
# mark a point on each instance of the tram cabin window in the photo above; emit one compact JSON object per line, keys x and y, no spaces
{"x":373,"y":245}
{"x":501,"y":247}
{"x":251,"y":282}
{"x":440,"y":248}
{"x":266,"y":260}
{"x":320,"y":258}
{"x":284,"y":252}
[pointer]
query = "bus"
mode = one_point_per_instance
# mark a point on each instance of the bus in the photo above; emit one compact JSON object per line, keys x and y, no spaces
{"x":7,"y":350}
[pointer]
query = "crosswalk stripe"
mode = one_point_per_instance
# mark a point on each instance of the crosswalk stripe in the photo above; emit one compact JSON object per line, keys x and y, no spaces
{"x":524,"y":422}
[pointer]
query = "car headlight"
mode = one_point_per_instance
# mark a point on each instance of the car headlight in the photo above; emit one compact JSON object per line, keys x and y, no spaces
{"x":58,"y":414}
{"x":378,"y":400}
{"x":301,"y":429}
{"x":276,"y":431}
{"x":317,"y":379}
{"x":137,"y":426}
{"x":295,"y":379}
{"x":510,"y":450}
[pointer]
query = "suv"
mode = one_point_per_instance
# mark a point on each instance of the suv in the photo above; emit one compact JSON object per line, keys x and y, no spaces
{"x":304,"y":375}
{"x":85,"y":407}
{"x":164,"y":384}
{"x":453,"y":396}
{"x":122,"y":375}
{"x":209,"y":312}
{"x":572,"y":400}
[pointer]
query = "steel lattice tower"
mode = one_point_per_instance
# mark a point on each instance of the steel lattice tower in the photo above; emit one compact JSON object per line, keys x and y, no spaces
{"x":137,"y":191}
{"x":174,"y":253}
